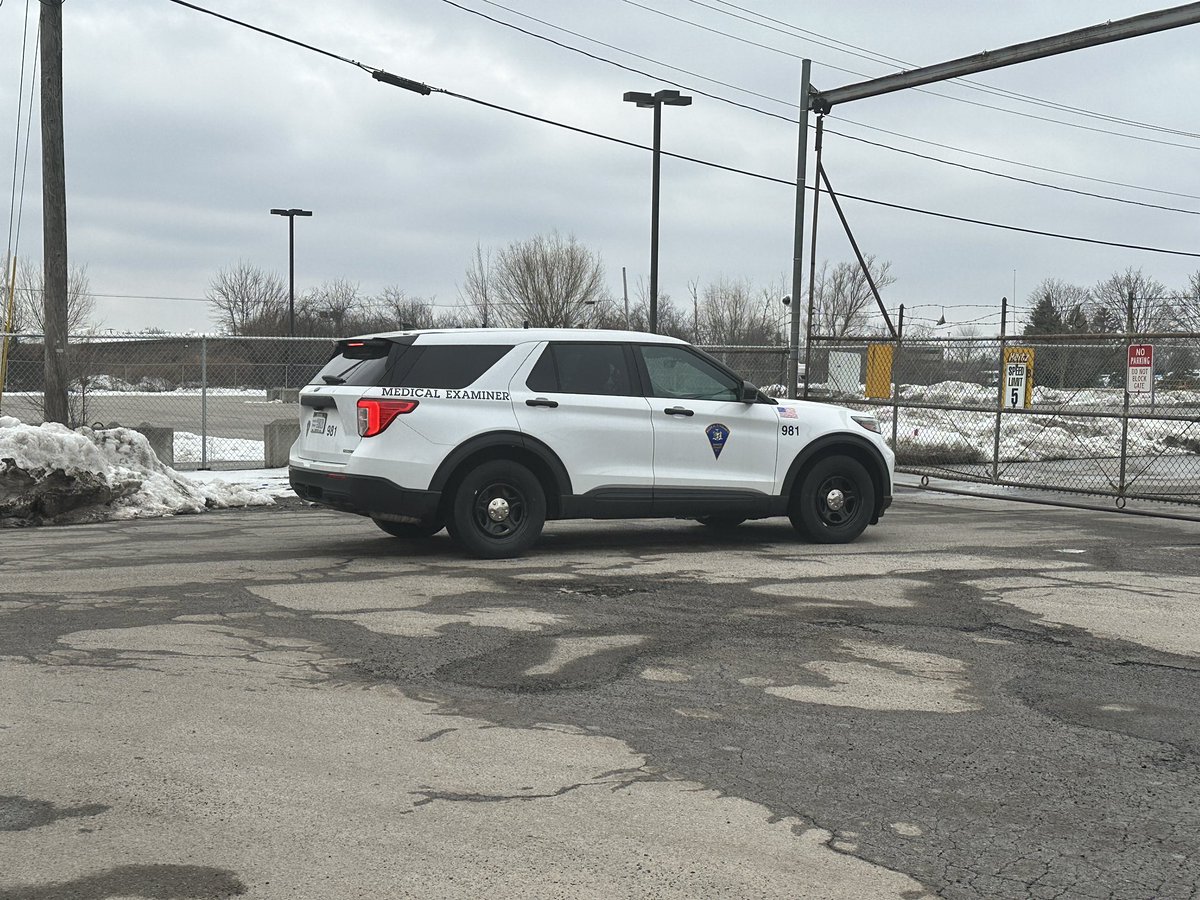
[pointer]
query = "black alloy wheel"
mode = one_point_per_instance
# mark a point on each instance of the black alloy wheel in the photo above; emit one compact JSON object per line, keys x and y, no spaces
{"x":498,"y":510}
{"x":835,"y":502}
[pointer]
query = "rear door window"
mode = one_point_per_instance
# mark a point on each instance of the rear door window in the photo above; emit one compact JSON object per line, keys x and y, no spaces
{"x":576,"y":368}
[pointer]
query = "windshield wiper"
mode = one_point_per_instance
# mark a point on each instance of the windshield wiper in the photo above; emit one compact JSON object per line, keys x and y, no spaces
{"x":333,"y":379}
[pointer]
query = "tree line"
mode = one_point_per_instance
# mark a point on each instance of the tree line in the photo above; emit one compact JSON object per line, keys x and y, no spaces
{"x":553,"y":281}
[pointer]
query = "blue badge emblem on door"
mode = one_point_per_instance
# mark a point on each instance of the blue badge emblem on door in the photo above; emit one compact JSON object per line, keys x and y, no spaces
{"x":718,"y":434}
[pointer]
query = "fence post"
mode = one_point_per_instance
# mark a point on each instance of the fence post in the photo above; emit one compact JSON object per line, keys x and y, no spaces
{"x":1000,"y":392}
{"x":896,"y":376}
{"x":203,"y":403}
{"x":1125,"y":408}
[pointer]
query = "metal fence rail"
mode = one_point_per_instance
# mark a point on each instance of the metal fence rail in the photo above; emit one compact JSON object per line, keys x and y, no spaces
{"x":942,"y":401}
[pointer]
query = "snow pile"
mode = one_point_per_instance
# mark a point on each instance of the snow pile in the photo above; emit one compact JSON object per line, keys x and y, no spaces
{"x":52,"y":474}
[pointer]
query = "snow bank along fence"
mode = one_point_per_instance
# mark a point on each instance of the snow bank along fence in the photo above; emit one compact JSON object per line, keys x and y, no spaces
{"x":203,"y":401}
{"x":1046,"y":411}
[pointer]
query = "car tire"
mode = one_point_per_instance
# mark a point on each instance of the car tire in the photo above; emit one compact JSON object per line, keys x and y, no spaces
{"x":721,"y":523}
{"x":498,"y":530}
{"x":410,"y":530}
{"x":835,"y":501}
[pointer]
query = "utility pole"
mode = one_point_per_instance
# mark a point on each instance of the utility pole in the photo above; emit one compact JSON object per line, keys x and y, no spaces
{"x":54,"y":217}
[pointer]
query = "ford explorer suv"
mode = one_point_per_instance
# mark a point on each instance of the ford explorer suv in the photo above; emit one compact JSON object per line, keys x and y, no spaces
{"x":489,"y":433}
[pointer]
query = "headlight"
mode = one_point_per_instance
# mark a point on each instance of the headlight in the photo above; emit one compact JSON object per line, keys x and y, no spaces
{"x":868,"y":422}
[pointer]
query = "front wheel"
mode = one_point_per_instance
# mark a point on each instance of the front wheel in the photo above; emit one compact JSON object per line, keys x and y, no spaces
{"x":498,"y":510}
{"x":835,"y":501}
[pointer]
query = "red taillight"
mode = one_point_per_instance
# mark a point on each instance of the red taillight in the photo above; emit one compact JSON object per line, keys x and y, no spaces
{"x":376,"y":415}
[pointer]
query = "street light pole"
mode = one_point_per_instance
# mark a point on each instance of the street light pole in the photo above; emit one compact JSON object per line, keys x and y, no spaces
{"x":656,"y":101}
{"x":291,"y":217}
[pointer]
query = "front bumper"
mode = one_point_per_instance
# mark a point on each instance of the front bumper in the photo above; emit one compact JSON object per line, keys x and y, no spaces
{"x":365,"y":495}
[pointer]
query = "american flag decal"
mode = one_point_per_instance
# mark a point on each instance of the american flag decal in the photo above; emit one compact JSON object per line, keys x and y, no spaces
{"x":786,"y":412}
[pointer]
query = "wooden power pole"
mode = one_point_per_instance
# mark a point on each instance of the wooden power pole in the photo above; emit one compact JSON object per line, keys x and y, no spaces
{"x":54,"y":217}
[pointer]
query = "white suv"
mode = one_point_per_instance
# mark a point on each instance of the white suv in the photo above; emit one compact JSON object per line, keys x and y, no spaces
{"x":489,"y":432}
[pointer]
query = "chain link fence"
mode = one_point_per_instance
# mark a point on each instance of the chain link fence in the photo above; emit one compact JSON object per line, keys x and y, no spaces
{"x":947,"y":405}
{"x":1047,"y":412}
{"x":216,"y":394}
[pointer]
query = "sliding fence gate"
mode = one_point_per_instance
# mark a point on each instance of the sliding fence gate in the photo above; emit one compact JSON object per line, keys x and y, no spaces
{"x":1049,"y":412}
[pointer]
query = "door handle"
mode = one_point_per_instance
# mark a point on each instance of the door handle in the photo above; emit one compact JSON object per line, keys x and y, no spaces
{"x":542,"y":401}
{"x":678,"y":411}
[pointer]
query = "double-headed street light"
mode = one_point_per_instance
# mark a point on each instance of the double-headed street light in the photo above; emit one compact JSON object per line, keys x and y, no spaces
{"x":656,"y":101}
{"x":291,"y":216}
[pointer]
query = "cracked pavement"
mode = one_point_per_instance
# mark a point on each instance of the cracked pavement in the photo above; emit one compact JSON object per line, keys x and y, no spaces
{"x":978,"y":699}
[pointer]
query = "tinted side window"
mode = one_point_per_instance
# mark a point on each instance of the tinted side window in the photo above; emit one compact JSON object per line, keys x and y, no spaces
{"x":677,"y":373}
{"x":592,"y":369}
{"x":544,"y":376}
{"x":448,"y":365}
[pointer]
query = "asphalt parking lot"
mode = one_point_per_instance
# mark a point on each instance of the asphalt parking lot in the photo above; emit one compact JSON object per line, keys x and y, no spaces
{"x":978,"y":699}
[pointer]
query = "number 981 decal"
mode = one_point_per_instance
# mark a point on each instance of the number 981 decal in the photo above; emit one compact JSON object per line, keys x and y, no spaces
{"x":789,"y":430}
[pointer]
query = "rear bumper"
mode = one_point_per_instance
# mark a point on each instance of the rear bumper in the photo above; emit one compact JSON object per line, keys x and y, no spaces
{"x":365,"y":495}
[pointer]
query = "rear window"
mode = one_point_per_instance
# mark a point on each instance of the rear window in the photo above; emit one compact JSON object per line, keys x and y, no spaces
{"x":447,"y":365}
{"x":360,"y":363}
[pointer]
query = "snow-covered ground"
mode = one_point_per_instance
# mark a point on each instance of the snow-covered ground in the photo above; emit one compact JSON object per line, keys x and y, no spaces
{"x":220,"y":449}
{"x":52,"y":474}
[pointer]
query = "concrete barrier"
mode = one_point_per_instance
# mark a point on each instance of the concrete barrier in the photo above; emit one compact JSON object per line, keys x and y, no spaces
{"x":278,"y":437}
{"x":162,"y":442}
{"x":283,"y":395}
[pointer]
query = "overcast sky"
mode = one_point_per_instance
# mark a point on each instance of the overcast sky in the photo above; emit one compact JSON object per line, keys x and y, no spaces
{"x":182,"y":131}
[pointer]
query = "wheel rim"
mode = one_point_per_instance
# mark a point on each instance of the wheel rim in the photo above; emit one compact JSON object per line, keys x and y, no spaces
{"x":499,"y":510}
{"x":838,"y":501}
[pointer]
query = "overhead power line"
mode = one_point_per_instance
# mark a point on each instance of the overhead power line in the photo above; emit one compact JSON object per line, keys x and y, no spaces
{"x":1014,"y":162}
{"x":389,"y":78}
{"x":1044,"y":184}
{"x":1014,"y":112}
{"x":863,"y":53}
{"x":550,"y":40}
{"x":776,"y":100}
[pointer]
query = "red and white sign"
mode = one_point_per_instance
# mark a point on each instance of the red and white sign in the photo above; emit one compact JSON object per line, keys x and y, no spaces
{"x":1140,"y":375}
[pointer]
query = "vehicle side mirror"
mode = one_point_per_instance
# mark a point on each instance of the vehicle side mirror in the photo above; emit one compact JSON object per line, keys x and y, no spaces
{"x":749,"y":393}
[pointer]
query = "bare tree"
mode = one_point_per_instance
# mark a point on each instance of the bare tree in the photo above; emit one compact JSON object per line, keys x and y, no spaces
{"x":1053,"y":303}
{"x":246,"y":299}
{"x":326,"y":308}
{"x":843,"y":300}
{"x":672,"y":320}
{"x":734,"y":313}
{"x":29,"y":303}
{"x":548,"y":281}
{"x":1185,"y":305}
{"x":1151,"y":303}
{"x":405,"y":312}
{"x":476,"y":292}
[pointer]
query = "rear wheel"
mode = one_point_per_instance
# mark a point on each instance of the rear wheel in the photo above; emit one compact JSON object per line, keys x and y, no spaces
{"x":835,"y":501}
{"x":498,"y":510}
{"x":410,"y":529}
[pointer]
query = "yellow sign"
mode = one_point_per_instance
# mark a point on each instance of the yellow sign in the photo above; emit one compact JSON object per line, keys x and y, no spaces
{"x":1019,"y":356}
{"x":879,"y":371}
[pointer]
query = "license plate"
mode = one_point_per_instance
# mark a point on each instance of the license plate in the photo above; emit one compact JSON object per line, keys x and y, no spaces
{"x":316,"y":425}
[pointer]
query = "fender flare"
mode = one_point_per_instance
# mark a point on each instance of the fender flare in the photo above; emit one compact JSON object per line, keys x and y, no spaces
{"x":829,"y":442}
{"x":502,"y":439}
